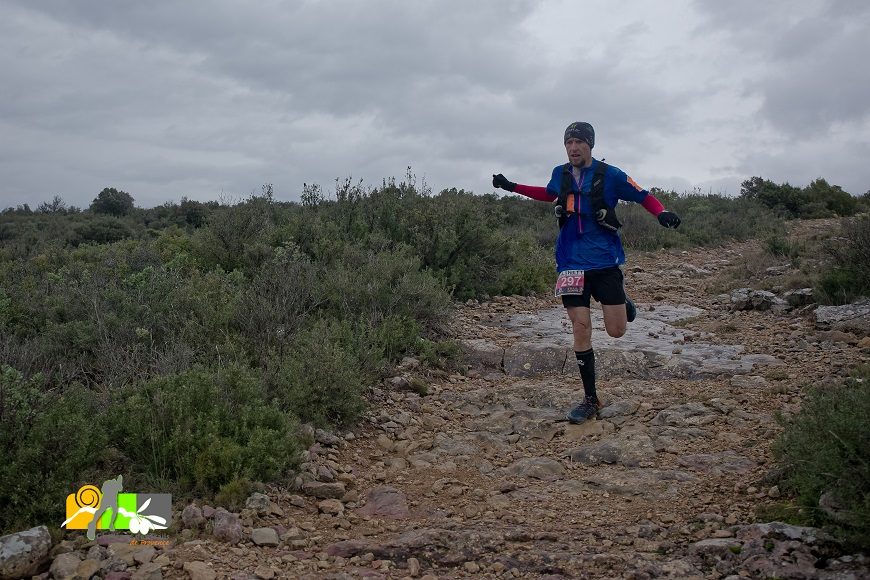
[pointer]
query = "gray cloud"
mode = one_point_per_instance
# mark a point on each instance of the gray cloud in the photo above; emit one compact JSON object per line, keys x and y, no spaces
{"x":166,"y":99}
{"x":812,"y":54}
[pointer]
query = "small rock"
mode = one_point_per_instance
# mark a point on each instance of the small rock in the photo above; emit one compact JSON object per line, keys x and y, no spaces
{"x":192,"y":517}
{"x":471,"y":567}
{"x":385,"y":442}
{"x":325,"y":474}
{"x":326,"y":438}
{"x":144,"y":555}
{"x":585,"y":430}
{"x":773,"y":492}
{"x":332,"y":507}
{"x":63,"y":547}
{"x":618,"y":408}
{"x":95,"y":553}
{"x":399,"y":383}
{"x":800,"y":297}
{"x":64,"y":566}
{"x":544,"y":468}
{"x":227,"y":527}
{"x":291,"y":534}
{"x":264,"y":572}
{"x":199,"y":571}
{"x":162,"y":559}
{"x":716,"y":547}
{"x":265,"y":537}
{"x":258,"y":502}
{"x":413,"y":567}
{"x":324,"y":490}
{"x":149,"y":571}
{"x":87,"y":568}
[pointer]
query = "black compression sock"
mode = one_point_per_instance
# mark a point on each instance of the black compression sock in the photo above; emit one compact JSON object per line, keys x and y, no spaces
{"x":586,"y":362}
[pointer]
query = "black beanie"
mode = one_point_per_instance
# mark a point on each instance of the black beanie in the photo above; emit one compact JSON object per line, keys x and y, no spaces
{"x":582,"y":131}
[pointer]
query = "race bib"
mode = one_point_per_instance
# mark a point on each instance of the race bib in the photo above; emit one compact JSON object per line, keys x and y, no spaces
{"x":570,"y":282}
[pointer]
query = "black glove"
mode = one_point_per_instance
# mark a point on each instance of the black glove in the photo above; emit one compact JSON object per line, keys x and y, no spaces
{"x":501,"y":182}
{"x":669,"y":219}
{"x":607,"y":219}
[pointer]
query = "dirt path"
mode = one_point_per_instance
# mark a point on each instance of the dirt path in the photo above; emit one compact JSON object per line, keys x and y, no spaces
{"x":482,"y":476}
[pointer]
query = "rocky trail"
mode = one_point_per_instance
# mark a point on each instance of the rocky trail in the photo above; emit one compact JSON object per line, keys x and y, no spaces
{"x":478,"y":474}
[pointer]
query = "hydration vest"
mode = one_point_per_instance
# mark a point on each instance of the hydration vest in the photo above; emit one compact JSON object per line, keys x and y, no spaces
{"x":596,"y":193}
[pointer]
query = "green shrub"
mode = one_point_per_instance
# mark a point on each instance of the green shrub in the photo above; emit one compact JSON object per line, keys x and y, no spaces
{"x":50,"y":443}
{"x":707,"y":220}
{"x":443,"y":354}
{"x":322,"y":377}
{"x":204,"y":428}
{"x":825,"y":448}
{"x":100,"y":230}
{"x":532,"y":268}
{"x":277,"y":301}
{"x":818,"y":199}
{"x":376,"y":285}
{"x":780,"y":246}
{"x":238,"y":237}
{"x":847,"y":276}
{"x":233,"y":495}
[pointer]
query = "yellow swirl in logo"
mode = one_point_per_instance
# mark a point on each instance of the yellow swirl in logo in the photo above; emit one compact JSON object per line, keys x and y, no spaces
{"x":88,"y":495}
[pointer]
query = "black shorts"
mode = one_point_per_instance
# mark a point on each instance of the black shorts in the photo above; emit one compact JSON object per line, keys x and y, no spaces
{"x":605,"y":285}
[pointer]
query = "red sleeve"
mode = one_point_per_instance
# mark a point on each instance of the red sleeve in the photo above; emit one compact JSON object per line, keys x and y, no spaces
{"x":535,"y":192}
{"x":652,"y":205}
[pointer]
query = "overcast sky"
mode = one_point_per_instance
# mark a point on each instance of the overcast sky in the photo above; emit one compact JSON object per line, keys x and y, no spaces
{"x":212,"y":99}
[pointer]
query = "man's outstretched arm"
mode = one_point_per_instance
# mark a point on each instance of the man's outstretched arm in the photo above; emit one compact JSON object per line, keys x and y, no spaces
{"x":667,"y":218}
{"x":535,"y":192}
{"x":629,"y":190}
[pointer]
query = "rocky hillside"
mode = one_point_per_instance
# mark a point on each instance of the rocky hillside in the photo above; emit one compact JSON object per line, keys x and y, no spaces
{"x":478,"y":474}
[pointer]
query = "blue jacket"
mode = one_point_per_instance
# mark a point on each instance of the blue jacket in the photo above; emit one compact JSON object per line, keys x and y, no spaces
{"x":588,"y":246}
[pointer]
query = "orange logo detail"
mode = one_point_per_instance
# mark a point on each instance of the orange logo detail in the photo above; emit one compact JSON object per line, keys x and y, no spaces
{"x":634,"y":183}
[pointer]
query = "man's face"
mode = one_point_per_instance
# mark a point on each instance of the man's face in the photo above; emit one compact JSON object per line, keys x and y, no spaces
{"x":579,"y":153}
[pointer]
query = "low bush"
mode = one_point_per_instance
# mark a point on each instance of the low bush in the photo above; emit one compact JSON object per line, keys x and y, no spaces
{"x":780,"y":246}
{"x":50,"y":443}
{"x":818,"y":199}
{"x":847,"y":276}
{"x":384,"y":283}
{"x":825,"y":451}
{"x":707,"y":220}
{"x":322,"y":376}
{"x":200,"y":430}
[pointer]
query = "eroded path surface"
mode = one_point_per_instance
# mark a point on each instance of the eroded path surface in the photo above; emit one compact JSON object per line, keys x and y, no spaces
{"x":481,"y":476}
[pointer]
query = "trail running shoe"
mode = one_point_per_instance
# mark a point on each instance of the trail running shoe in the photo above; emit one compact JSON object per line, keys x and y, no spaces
{"x":584,"y":411}
{"x":630,"y":309}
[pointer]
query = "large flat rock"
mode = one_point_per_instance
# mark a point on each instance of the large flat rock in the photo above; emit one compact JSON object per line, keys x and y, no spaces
{"x":651,"y":348}
{"x":853,"y":317}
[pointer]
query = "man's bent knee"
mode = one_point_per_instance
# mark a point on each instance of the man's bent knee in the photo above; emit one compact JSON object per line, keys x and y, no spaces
{"x":616,"y":332}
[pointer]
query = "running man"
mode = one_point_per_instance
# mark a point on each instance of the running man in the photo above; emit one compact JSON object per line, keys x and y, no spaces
{"x":589,"y":248}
